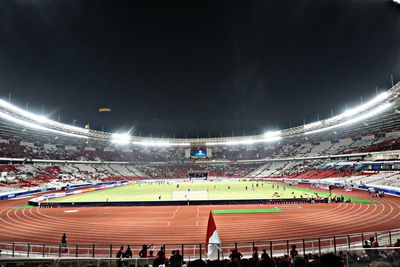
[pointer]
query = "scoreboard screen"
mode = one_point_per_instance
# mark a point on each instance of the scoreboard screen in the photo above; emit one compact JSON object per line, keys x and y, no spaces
{"x":199,"y":152}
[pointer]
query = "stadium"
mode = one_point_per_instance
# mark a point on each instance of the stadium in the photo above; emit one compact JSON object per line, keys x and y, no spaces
{"x":324,"y":192}
{"x":104,"y":189}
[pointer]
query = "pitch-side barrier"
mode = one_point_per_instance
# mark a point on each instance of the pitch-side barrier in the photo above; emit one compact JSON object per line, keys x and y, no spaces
{"x":314,"y":245}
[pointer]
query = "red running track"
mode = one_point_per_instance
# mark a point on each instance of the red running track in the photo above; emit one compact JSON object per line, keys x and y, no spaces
{"x":187,"y":224}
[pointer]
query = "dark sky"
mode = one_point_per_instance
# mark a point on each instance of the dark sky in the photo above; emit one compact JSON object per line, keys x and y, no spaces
{"x":196,"y":67}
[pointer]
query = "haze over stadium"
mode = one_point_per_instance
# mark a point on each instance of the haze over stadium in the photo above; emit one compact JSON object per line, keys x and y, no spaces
{"x":204,"y":133}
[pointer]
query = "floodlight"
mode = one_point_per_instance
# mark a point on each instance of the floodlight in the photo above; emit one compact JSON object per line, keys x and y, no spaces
{"x":39,"y":118}
{"x":37,"y":127}
{"x":364,"y":116}
{"x":312,"y":125}
{"x":369,"y":104}
{"x":120,"y":138}
{"x":272,"y":134}
{"x":271,"y":138}
{"x":367,"y":115}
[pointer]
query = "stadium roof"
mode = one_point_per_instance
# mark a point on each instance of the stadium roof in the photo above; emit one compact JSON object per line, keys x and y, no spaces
{"x":379,"y":114}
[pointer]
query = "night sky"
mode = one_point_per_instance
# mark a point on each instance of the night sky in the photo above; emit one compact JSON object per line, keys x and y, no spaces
{"x":194,"y":68}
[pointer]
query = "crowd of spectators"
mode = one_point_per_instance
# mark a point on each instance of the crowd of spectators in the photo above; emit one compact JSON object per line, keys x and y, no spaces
{"x":370,"y":255}
{"x":62,"y":149}
{"x":182,"y":170}
{"x":22,"y":176}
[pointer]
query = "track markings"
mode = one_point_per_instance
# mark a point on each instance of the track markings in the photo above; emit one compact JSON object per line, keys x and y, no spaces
{"x":71,"y":211}
{"x":90,"y":225}
{"x":173,"y":215}
{"x":197,"y":216}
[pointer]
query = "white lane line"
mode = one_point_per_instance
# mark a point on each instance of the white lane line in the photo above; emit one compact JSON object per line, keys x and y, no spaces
{"x":173,"y":215}
{"x":197,"y":216}
{"x":71,"y":211}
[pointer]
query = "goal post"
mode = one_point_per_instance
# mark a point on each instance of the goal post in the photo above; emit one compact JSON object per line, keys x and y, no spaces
{"x":190,"y":195}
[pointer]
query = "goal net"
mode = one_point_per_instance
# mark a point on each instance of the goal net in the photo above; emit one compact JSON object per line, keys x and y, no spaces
{"x":190,"y":195}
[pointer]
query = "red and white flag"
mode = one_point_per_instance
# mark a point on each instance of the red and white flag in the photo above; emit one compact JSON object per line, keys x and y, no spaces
{"x":213,"y":243}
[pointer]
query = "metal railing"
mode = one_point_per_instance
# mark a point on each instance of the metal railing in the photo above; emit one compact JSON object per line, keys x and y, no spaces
{"x":350,"y":257}
{"x":313,"y":245}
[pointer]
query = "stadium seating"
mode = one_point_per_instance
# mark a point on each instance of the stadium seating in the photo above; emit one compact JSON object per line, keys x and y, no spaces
{"x":275,"y":160}
{"x":12,"y":147}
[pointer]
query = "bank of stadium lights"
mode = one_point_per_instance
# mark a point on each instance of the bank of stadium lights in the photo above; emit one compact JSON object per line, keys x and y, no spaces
{"x":348,"y":113}
{"x":312,"y":125}
{"x":121,"y":138}
{"x":379,"y":98}
{"x":272,"y":134}
{"x":125,"y":139}
{"x":36,"y":126}
{"x":267,"y":137}
{"x":357,"y":110}
{"x":158,"y":144}
{"x":369,"y":114}
{"x":40,"y":119}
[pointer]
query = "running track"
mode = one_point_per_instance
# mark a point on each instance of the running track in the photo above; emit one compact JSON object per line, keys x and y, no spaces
{"x":187,"y":224}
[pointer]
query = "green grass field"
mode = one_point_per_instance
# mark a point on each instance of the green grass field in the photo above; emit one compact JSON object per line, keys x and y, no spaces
{"x":212,"y":191}
{"x":247,"y":211}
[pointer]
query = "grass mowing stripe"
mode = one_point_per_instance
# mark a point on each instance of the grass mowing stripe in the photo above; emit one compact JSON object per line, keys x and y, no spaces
{"x":244,"y":211}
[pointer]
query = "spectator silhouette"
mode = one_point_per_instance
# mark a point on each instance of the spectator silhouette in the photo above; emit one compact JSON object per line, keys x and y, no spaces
{"x":119,"y":256}
{"x":64,"y":243}
{"x":178,"y":259}
{"x":235,"y":255}
{"x":143,"y":251}
{"x":160,"y":257}
{"x":255,"y":258}
{"x":128,"y":253}
{"x":266,"y":261}
{"x":293,"y":251}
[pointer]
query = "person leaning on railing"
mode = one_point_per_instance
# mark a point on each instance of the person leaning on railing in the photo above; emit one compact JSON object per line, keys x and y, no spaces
{"x":119,"y":256}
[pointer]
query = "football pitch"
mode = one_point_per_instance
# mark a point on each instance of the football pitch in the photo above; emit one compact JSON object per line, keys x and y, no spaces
{"x":232,"y":190}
